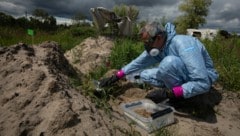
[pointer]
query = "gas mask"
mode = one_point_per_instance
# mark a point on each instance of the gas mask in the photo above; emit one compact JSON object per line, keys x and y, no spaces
{"x":153,"y":51}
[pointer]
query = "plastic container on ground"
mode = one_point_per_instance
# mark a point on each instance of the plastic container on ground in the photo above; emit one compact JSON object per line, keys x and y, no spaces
{"x":148,"y":115}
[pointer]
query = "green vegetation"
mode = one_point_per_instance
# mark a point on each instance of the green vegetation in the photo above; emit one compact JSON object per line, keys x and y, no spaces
{"x":45,"y":28}
{"x":124,"y":51}
{"x":226,"y":57}
{"x":163,"y":132}
{"x":67,"y":38}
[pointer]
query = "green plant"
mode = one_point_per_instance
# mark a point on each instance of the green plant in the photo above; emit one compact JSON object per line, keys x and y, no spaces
{"x":226,"y":57}
{"x":100,"y":98}
{"x":124,"y":51}
{"x":75,"y":81}
{"x":162,"y":132}
{"x":83,"y":31}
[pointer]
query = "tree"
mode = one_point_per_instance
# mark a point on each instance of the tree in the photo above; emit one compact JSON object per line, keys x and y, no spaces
{"x":22,"y":22}
{"x":124,"y":10}
{"x":50,"y":23}
{"x":43,"y":20}
{"x":40,"y":14}
{"x":6,"y":20}
{"x":77,"y":18}
{"x":194,"y":15}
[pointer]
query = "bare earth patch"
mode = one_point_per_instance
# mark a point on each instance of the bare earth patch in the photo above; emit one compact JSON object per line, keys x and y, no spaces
{"x":36,"y":97}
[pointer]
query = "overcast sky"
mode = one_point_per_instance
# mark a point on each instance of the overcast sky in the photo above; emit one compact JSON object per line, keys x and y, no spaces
{"x":223,"y":14}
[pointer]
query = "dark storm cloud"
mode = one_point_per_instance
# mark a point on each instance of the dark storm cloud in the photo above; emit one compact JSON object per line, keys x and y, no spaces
{"x":67,"y":8}
{"x":147,"y":3}
{"x":10,"y":7}
{"x":222,"y":13}
{"x":229,"y":14}
{"x":153,"y":9}
{"x":64,"y":8}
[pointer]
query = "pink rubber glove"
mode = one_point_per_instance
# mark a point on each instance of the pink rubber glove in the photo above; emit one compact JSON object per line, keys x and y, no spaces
{"x":178,"y":91}
{"x":120,"y":74}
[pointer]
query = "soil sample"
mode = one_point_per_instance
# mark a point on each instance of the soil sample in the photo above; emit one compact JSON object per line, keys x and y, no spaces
{"x":143,"y":112}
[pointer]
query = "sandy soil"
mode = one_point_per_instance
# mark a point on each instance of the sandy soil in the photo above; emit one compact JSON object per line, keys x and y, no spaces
{"x":37,"y":98}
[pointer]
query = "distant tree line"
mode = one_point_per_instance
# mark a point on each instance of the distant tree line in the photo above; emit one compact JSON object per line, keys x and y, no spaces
{"x":40,"y":19}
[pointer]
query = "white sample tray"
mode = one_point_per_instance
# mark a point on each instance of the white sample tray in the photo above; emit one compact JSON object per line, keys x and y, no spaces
{"x":148,"y":115}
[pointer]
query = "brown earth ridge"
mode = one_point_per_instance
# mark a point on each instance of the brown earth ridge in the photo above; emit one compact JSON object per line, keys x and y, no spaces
{"x":36,"y":97}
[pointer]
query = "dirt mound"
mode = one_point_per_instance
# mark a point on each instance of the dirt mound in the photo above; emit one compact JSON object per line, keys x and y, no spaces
{"x":36,"y":97}
{"x":90,"y":54}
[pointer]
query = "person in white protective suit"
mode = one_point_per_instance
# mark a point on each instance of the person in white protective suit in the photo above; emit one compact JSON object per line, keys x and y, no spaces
{"x":183,"y":64}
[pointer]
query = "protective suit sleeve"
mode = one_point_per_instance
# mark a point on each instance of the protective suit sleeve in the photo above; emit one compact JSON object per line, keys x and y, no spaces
{"x":142,"y":61}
